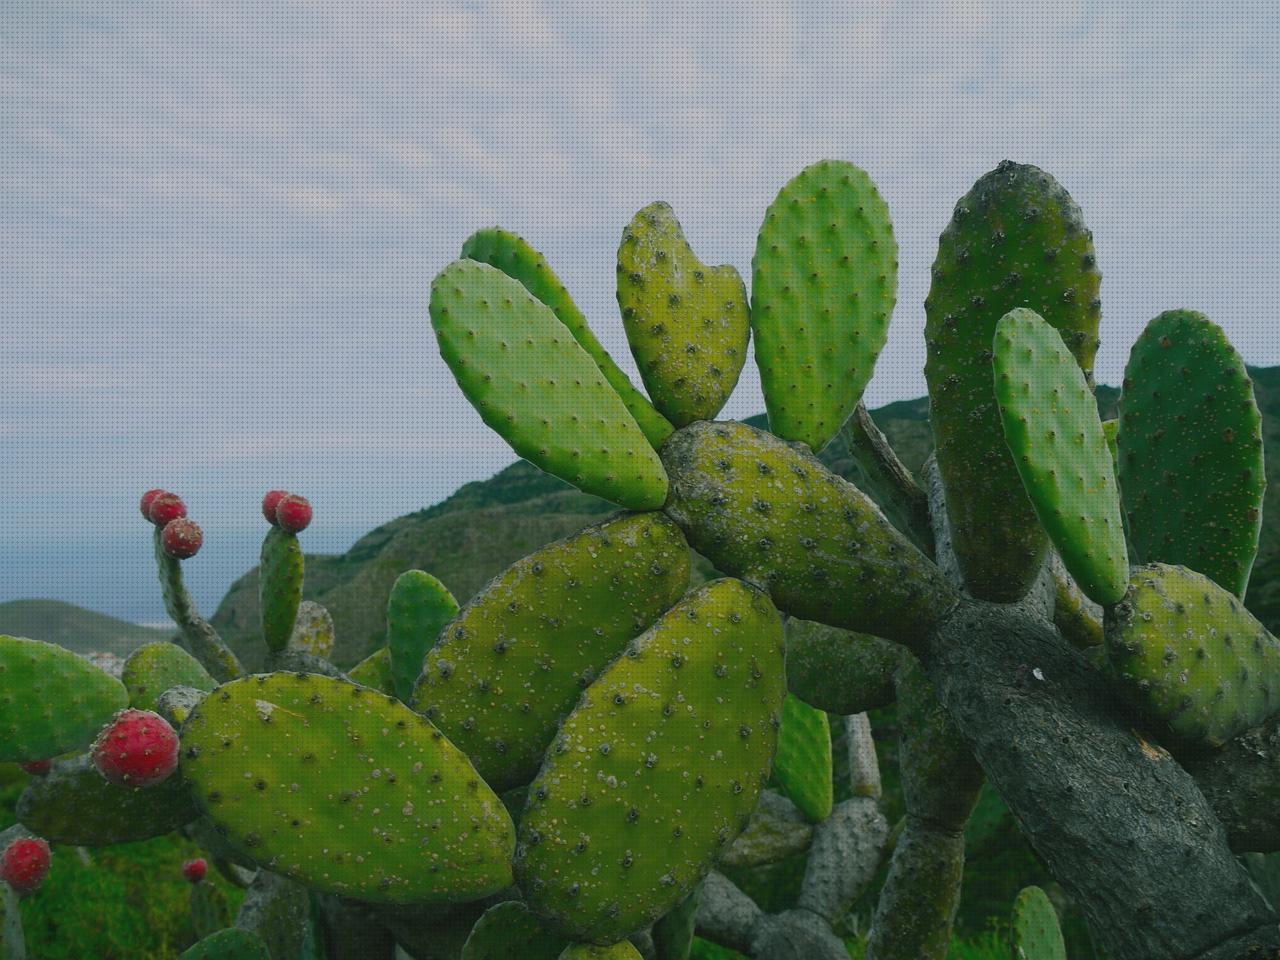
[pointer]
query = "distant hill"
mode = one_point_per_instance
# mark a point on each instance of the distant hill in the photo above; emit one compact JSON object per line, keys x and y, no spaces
{"x":77,"y":629}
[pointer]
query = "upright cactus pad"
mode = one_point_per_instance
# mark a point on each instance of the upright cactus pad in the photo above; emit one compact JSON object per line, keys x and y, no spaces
{"x":802,"y":766}
{"x":154,"y":668}
{"x":533,"y":383}
{"x":520,"y":653}
{"x":1191,"y":656}
{"x":517,"y":259}
{"x":657,"y":769}
{"x":229,"y":944}
{"x":1052,"y":428}
{"x":1190,"y":449}
{"x":509,"y":930}
{"x":825,"y":282}
{"x":345,"y":790}
{"x":51,"y":701}
{"x":280,"y":574}
{"x":1017,"y":239}
{"x":1034,"y":928}
{"x":687,"y":324}
{"x":771,"y":513}
{"x":419,"y":606}
{"x":374,"y":671}
{"x":313,"y":631}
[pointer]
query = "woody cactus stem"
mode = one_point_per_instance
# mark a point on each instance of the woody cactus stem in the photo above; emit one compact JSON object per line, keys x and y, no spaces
{"x":199,"y":638}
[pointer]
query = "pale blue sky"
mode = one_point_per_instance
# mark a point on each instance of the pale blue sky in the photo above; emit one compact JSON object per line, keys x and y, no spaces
{"x":219,"y":221}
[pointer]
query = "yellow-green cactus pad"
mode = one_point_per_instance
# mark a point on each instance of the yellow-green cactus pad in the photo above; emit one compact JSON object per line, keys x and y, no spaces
{"x":345,"y":790}
{"x":1190,"y":449}
{"x":658,"y":767}
{"x":802,"y":766}
{"x":51,"y":701}
{"x":418,"y":608}
{"x":687,"y":323}
{"x":1191,"y":657}
{"x":517,"y":259}
{"x":374,"y":671}
{"x":154,"y":668}
{"x":1051,"y":425}
{"x":1017,"y":239}
{"x":622,"y":950}
{"x":280,"y":574}
{"x":509,"y":931}
{"x":1034,"y":927}
{"x":825,"y":283}
{"x":521,"y":652}
{"x":532,"y":382}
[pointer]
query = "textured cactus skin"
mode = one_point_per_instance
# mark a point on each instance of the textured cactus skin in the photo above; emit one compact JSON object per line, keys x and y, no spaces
{"x":199,"y":637}
{"x":520,"y":653}
{"x":1052,"y":428}
{"x":1191,"y":657}
{"x":622,"y":950}
{"x":1110,"y":429}
{"x":280,"y":575}
{"x":658,"y":767}
{"x":1016,"y":239}
{"x":1034,"y":928}
{"x":344,"y":790}
{"x":229,"y":944}
{"x":517,"y":259}
{"x":770,"y":513}
{"x":154,"y":668}
{"x":825,"y":281}
{"x":840,"y":671}
{"x":535,"y":386}
{"x":374,"y":671}
{"x":419,"y":606}
{"x":313,"y":631}
{"x":508,"y":930}
{"x":1190,"y":451}
{"x":802,"y":766}
{"x":687,"y":324}
{"x":74,"y":804}
{"x":51,"y":701}
{"x":673,"y":933}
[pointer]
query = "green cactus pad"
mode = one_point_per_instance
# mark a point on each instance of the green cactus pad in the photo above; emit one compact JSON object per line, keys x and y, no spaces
{"x":1017,"y":239}
{"x":657,"y":769}
{"x":229,"y":944}
{"x":622,"y":950}
{"x":538,"y":388}
{"x":154,"y":668}
{"x":198,"y":635}
{"x":771,"y":513}
{"x":1052,"y":428}
{"x":520,"y":653}
{"x":802,"y":766}
{"x":840,"y":671}
{"x":825,"y":282}
{"x":74,"y":804}
{"x":517,"y":259}
{"x":1191,"y":656}
{"x":51,"y":701}
{"x":509,"y":930}
{"x":345,"y":790}
{"x":417,"y":609}
{"x":374,"y":671}
{"x":673,"y":933}
{"x":280,"y":575}
{"x":687,"y":324}
{"x":210,"y":911}
{"x":1034,"y":928}
{"x":313,"y":631}
{"x":1110,"y":429}
{"x":1190,"y":448}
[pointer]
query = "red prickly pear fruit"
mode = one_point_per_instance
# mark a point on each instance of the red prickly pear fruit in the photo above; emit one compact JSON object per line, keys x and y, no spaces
{"x":194,"y":870}
{"x":148,"y":498}
{"x":24,"y":863}
{"x":293,"y":513}
{"x":181,"y":538}
{"x":166,"y":507}
{"x":270,"y":502}
{"x":137,"y":748}
{"x":37,"y":768}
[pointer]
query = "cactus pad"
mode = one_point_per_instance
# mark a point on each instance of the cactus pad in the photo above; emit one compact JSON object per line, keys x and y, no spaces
{"x":622,"y":950}
{"x":345,"y":790}
{"x":520,"y":653}
{"x":508,"y":930}
{"x":1191,"y":656}
{"x":771,"y":513}
{"x":517,"y":259}
{"x":825,"y":282}
{"x":154,"y":668}
{"x":1017,"y":239}
{"x":51,"y":701}
{"x":1052,"y":428}
{"x":313,"y":631}
{"x":229,"y":944}
{"x":280,"y":575}
{"x":1190,"y":448}
{"x":374,"y":671}
{"x":1034,"y":928}
{"x":534,"y":384}
{"x":419,"y":606}
{"x":657,"y":769}
{"x":687,"y":324}
{"x":802,"y":766}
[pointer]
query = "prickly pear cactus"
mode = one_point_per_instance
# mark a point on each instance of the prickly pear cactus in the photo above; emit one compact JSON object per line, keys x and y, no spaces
{"x":345,"y":790}
{"x":53,"y":701}
{"x":510,"y":930}
{"x":687,"y":324}
{"x":229,"y":944}
{"x":802,"y":766}
{"x":1017,"y":239}
{"x":154,"y":668}
{"x":825,"y":280}
{"x":374,"y":672}
{"x":622,"y":950}
{"x":658,"y":767}
{"x":419,"y":606}
{"x":520,"y":653}
{"x":313,"y":631}
{"x":1034,"y":927}
{"x":1190,"y":451}
{"x":280,"y":574}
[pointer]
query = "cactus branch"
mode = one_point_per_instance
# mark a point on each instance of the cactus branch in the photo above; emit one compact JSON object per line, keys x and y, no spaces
{"x":199,"y":638}
{"x":885,"y":479}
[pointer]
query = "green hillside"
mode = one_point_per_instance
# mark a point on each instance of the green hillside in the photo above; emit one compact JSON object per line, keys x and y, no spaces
{"x":74,"y":627}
